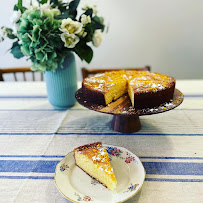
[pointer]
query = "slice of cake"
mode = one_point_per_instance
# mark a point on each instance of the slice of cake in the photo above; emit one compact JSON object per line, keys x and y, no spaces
{"x":148,"y":89}
{"x":104,"y":88}
{"x":94,"y":160}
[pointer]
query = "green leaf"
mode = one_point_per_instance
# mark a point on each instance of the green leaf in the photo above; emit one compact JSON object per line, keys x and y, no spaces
{"x":89,"y":12}
{"x":63,"y":16}
{"x":62,"y":7}
{"x":43,"y":1}
{"x":20,"y":5}
{"x":98,"y":23}
{"x":9,"y":33}
{"x":73,"y":8}
{"x":16,"y":51}
{"x":55,"y":2}
{"x":84,"y":52}
{"x":11,"y":36}
{"x":15,"y":7}
{"x":74,"y":4}
{"x":90,"y":32}
{"x":24,"y":9}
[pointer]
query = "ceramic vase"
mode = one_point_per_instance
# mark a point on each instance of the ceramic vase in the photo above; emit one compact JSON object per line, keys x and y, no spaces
{"x":62,"y":84}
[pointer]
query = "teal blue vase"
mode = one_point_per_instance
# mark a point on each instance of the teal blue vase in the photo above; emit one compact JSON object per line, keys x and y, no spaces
{"x":62,"y":84}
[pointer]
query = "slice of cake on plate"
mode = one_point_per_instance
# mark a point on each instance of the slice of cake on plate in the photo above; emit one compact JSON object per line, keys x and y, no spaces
{"x":94,"y":160}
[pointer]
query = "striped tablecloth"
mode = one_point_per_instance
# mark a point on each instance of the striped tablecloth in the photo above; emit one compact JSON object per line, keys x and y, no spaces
{"x":34,"y":137}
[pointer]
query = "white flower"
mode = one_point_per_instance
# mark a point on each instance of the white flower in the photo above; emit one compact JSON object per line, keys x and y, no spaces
{"x":53,"y":12}
{"x":56,"y":11}
{"x":15,"y":17}
{"x":70,"y":40}
{"x":33,"y":4}
{"x":82,"y":33}
{"x":97,"y":38}
{"x":70,"y":26}
{"x":93,"y":7}
{"x":3,"y":31}
{"x":85,"y":19}
{"x":46,"y":6}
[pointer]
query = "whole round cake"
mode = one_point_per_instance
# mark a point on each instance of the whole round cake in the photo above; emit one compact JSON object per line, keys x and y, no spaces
{"x":145,"y":89}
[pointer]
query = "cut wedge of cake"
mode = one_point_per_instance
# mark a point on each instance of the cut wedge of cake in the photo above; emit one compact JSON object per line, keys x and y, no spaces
{"x":94,"y":160}
{"x":103,"y":88}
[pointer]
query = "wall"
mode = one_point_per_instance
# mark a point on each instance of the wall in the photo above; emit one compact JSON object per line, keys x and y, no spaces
{"x":164,"y":34}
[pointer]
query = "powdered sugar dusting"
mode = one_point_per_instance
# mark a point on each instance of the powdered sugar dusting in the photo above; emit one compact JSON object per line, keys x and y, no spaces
{"x":162,"y":107}
{"x":158,"y":86}
{"x":108,"y":171}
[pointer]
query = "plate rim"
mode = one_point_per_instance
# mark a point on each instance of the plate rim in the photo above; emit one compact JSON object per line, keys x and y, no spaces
{"x":115,"y":202}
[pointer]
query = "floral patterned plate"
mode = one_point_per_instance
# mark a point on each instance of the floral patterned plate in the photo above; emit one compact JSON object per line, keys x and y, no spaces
{"x":76,"y":186}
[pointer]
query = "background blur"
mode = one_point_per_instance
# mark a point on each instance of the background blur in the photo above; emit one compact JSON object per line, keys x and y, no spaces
{"x":165,"y":34}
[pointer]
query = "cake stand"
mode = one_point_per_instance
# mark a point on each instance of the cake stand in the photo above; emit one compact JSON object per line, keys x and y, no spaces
{"x":125,"y":117}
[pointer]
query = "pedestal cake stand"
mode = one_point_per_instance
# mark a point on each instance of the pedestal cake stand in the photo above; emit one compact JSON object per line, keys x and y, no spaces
{"x":125,"y":117}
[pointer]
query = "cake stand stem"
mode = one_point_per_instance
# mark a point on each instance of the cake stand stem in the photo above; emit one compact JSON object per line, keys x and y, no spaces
{"x":126,"y":124}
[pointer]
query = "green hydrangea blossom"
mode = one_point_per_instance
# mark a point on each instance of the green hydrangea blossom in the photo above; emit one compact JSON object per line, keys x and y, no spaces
{"x":36,"y":30}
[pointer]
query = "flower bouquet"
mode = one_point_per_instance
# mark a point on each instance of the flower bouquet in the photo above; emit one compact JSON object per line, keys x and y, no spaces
{"x":45,"y":31}
{"x":48,"y":32}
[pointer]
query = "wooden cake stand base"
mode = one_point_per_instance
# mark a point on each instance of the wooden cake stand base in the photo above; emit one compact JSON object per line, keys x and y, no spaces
{"x":126,"y":118}
{"x":126,"y":124}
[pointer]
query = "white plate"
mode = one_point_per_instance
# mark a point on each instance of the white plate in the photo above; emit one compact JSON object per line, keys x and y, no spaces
{"x":76,"y":186}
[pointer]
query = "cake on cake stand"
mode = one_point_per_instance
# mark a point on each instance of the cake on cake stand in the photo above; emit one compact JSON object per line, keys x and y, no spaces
{"x":125,"y":117}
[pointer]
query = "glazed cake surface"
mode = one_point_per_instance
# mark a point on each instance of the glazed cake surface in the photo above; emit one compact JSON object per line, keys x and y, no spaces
{"x":105,"y":87}
{"x":145,"y":89}
{"x":94,"y":160}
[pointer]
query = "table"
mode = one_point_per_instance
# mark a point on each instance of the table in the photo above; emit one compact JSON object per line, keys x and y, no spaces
{"x":34,"y":137}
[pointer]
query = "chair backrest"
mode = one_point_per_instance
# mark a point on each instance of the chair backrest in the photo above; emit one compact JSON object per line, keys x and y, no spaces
{"x":86,"y":72}
{"x":22,"y":70}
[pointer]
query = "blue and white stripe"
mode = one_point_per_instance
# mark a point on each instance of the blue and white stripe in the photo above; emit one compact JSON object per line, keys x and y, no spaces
{"x":190,"y":169}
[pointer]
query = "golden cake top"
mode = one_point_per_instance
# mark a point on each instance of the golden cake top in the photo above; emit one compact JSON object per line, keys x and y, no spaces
{"x":144,"y":81}
{"x":103,"y":81}
{"x":140,"y":80}
{"x":98,"y":155}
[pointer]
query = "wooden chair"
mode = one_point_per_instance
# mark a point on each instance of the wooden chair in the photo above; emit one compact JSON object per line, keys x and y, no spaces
{"x":86,"y":72}
{"x":22,"y":70}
